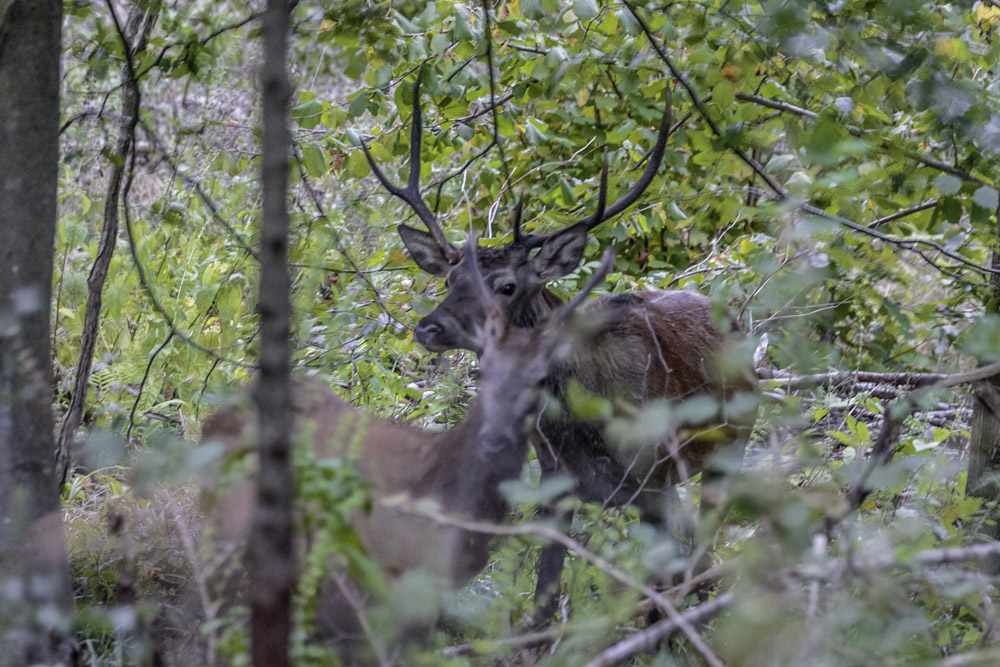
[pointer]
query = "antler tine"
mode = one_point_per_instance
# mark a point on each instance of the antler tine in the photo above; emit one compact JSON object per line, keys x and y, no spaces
{"x":515,"y":218}
{"x":602,"y":193}
{"x":469,"y":255}
{"x":411,"y":193}
{"x":652,"y":166}
{"x":655,"y":158}
{"x":416,"y":136}
{"x":607,"y":260}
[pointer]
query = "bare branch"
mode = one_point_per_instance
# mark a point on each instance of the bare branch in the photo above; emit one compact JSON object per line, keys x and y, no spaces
{"x":649,"y":639}
{"x":790,"y":381}
{"x":857,"y":132}
{"x":931,"y":203}
{"x":907,"y":243}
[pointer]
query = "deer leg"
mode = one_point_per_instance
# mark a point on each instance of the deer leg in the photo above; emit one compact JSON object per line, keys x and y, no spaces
{"x":548,"y":581}
{"x":548,"y":585}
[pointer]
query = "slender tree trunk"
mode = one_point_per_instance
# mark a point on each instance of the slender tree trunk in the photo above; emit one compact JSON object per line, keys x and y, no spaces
{"x":271,"y":560}
{"x":32,"y":547}
{"x":984,"y":455}
{"x":142,"y":16}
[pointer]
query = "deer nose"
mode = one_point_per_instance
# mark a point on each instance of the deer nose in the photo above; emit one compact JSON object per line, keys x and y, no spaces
{"x":426,"y":332}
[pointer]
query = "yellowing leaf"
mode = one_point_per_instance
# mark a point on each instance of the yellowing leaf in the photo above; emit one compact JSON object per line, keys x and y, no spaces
{"x":731,"y":73}
{"x":987,"y":12}
{"x":944,"y":46}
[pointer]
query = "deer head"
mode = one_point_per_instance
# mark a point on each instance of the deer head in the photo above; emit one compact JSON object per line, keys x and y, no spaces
{"x":517,"y":272}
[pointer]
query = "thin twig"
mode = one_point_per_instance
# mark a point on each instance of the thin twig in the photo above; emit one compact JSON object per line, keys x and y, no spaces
{"x":902,"y":214}
{"x":142,"y":384}
{"x":488,"y":36}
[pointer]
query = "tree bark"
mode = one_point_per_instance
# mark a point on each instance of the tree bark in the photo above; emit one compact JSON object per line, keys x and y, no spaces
{"x":984,"y":452}
{"x":32,"y":546}
{"x":271,"y":559}
{"x":142,"y":16}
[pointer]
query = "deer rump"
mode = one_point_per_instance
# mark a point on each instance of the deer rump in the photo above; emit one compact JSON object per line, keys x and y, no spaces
{"x":647,"y":346}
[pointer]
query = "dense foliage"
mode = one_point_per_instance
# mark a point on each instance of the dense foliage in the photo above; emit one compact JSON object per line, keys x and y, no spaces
{"x":829,"y":179}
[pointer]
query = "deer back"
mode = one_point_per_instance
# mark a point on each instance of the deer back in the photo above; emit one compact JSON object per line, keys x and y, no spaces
{"x":393,"y":459}
{"x":647,"y":347}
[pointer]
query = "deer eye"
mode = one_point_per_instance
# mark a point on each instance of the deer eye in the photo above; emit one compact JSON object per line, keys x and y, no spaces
{"x":507,"y":289}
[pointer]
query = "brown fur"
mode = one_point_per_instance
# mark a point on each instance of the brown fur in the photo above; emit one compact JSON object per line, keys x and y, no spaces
{"x":649,"y":346}
{"x":461,"y":468}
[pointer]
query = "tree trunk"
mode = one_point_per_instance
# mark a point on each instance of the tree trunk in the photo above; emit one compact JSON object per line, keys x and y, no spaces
{"x":32,"y":546}
{"x":271,"y":559}
{"x":984,"y":452}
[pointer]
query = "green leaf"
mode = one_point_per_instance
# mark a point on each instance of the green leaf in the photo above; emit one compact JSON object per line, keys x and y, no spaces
{"x":463,"y":27}
{"x":585,"y":9}
{"x":536,"y":135}
{"x":225,"y":163}
{"x":629,"y":83}
{"x":985,"y":197}
{"x":532,"y":9}
{"x":947,"y":184}
{"x":307,"y":115}
{"x":951,"y":209}
{"x":314,"y":159}
{"x":628,"y":22}
{"x":357,"y":165}
{"x":439,"y":43}
{"x":358,"y":105}
{"x":585,"y":405}
{"x":354,"y":65}
{"x":723,"y":94}
{"x":566,"y":192}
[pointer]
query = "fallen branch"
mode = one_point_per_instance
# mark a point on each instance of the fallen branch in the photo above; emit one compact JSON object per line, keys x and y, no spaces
{"x":649,"y":639}
{"x":834,"y":569}
{"x":916,"y":380}
{"x":884,"y":445}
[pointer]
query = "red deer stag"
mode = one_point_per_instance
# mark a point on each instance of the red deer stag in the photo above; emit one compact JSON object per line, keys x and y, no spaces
{"x":461,"y":469}
{"x":651,"y":345}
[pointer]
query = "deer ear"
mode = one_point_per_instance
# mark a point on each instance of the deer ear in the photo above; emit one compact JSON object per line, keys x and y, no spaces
{"x":561,"y":253}
{"x":424,"y":250}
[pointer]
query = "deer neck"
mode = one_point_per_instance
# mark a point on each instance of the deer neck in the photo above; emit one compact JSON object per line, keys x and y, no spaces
{"x":528,"y":314}
{"x":495,"y":447}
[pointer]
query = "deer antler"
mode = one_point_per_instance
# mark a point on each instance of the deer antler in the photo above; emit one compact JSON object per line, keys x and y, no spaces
{"x":411,"y":193}
{"x":604,"y":213}
{"x":469,"y":257}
